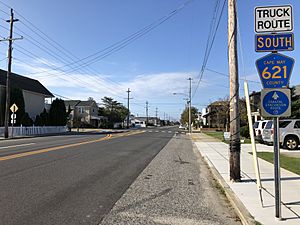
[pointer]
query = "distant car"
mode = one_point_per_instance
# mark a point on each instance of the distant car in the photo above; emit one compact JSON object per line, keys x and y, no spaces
{"x":181,"y":126}
{"x":258,"y":127}
{"x":289,"y":130}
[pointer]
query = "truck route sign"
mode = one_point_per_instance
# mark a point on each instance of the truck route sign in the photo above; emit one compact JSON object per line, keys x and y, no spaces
{"x":273,"y":19}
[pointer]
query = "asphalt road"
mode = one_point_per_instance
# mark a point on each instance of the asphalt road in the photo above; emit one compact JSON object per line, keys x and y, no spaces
{"x":72,"y":179}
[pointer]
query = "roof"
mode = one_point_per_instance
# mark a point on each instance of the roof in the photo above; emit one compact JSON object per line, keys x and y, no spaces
{"x":73,"y":103}
{"x":24,"y":83}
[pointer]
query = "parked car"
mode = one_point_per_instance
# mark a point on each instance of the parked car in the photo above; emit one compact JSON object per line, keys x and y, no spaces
{"x":289,"y":131}
{"x":258,"y":127}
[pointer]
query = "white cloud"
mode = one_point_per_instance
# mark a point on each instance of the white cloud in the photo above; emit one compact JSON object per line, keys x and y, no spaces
{"x":76,"y":85}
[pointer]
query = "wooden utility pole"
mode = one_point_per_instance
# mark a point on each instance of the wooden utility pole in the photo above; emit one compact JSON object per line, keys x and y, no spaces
{"x":128,"y":92}
{"x":235,"y":145}
{"x":146,"y":113}
{"x":190,"y":106}
{"x":9,"y":55}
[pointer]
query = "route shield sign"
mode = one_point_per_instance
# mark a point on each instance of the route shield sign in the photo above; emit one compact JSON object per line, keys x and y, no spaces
{"x":273,"y":19}
{"x":274,"y":42}
{"x":276,"y":102}
{"x":275,"y":70}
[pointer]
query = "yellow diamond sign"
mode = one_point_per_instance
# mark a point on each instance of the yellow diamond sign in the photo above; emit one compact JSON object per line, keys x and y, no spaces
{"x":14,"y":108}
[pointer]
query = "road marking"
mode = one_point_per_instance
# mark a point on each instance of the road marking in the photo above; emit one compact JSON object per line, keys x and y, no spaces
{"x":169,"y":131}
{"x":15,"y":146}
{"x":156,"y":131}
{"x":19,"y":155}
{"x":163,"y":131}
{"x":150,"y":131}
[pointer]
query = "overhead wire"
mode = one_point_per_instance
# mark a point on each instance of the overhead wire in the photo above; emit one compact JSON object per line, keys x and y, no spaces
{"x":119,"y":45}
{"x":210,"y":43}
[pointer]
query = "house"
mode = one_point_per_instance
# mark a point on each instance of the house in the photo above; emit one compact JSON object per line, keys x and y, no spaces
{"x":216,"y":114}
{"x":255,"y":105}
{"x":84,"y":113}
{"x":34,"y":93}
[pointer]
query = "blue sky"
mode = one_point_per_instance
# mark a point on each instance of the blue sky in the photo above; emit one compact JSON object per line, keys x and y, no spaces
{"x":153,"y":66}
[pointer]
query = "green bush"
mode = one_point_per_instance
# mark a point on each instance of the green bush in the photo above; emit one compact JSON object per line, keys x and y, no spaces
{"x":244,"y":131}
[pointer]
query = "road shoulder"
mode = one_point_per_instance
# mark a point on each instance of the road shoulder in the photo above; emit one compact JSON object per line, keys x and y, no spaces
{"x":175,"y":188}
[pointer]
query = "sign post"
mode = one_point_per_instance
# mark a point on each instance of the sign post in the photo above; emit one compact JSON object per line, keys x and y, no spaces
{"x":14,"y":108}
{"x":275,"y":71}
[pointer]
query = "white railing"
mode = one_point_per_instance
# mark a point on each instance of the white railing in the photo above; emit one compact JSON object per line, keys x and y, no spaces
{"x":34,"y":130}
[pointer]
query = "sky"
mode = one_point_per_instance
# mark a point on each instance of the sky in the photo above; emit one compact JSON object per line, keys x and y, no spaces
{"x":78,"y":49}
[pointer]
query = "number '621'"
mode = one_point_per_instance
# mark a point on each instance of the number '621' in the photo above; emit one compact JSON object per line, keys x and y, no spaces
{"x":275,"y":72}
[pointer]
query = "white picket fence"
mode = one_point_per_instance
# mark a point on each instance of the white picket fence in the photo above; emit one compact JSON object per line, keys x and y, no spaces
{"x":34,"y":130}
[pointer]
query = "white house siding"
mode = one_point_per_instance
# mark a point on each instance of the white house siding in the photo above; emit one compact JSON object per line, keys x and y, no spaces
{"x":34,"y":103}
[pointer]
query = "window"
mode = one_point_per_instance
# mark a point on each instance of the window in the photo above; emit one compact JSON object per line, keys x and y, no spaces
{"x":269,"y":125}
{"x":263,"y":124}
{"x":297,"y":124}
{"x":283,"y":124}
{"x":81,"y":110}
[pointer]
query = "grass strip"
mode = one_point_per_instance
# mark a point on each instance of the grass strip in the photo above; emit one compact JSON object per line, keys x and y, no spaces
{"x":289,"y":163}
{"x":219,"y":135}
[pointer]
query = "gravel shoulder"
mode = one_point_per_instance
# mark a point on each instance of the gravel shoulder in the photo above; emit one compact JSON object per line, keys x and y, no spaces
{"x":176,"y":188}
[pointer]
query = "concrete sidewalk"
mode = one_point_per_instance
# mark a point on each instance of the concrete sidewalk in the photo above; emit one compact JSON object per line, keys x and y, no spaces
{"x":216,"y":155}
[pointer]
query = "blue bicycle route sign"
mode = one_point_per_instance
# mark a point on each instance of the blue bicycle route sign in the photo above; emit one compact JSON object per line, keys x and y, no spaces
{"x":275,"y":70}
{"x":274,"y":42}
{"x":276,"y":102}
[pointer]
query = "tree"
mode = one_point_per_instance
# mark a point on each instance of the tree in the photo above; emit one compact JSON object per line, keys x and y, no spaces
{"x":113,"y":110}
{"x":295,"y":106}
{"x":42,"y":119}
{"x":26,"y":120}
{"x":185,"y":115}
{"x":57,"y":114}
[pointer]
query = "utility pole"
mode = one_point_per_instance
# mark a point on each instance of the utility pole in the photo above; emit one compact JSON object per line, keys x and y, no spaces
{"x":190,"y":106}
{"x":235,"y":145}
{"x":156,"y":119}
{"x":146,"y":113}
{"x":9,"y":55}
{"x":128,"y":92}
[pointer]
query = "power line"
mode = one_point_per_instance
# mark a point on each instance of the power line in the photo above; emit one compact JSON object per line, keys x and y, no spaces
{"x":205,"y":60}
{"x":226,"y":75}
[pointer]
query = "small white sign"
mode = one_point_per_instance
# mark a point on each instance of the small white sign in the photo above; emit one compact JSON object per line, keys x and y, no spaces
{"x":273,"y":19}
{"x":226,"y":136}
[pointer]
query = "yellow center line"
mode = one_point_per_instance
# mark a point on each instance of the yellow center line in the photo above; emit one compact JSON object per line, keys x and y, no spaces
{"x":109,"y":136}
{"x":19,"y":155}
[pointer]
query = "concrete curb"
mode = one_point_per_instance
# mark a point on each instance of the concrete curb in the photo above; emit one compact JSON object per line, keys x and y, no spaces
{"x":241,"y":211}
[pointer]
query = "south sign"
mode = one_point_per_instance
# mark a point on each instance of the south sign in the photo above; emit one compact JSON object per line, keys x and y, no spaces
{"x":274,"y":42}
{"x":275,"y":70}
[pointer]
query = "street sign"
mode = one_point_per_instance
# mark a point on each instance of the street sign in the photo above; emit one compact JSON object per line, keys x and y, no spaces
{"x":14,"y":108}
{"x":13,"y":116}
{"x":274,"y":42}
{"x":12,"y":121}
{"x":276,"y":102}
{"x":275,"y":70}
{"x":273,"y":19}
